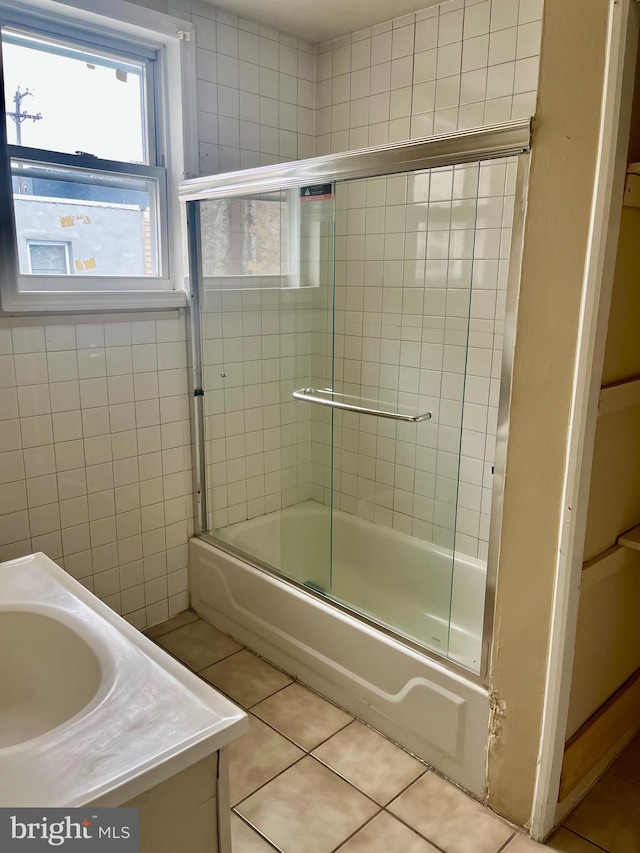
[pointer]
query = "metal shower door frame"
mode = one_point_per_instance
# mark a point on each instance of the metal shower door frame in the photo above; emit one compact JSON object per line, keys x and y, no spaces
{"x":468,"y":146}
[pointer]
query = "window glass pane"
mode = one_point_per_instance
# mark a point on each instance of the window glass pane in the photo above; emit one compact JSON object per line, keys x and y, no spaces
{"x":48,"y":258}
{"x":246,"y":236}
{"x":72,"y":100}
{"x":108,"y":222}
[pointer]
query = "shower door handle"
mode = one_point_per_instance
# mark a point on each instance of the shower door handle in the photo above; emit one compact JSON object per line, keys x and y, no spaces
{"x":310,"y":395}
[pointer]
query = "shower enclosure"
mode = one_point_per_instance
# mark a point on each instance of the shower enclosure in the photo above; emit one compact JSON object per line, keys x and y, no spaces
{"x":348,"y":336}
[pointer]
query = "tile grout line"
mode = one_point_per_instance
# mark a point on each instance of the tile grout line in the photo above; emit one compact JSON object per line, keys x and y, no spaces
{"x":507,"y":842}
{"x":190,"y":668}
{"x":308,"y":752}
{"x":381,"y":809}
{"x":297,"y":761}
{"x":354,"y":719}
{"x":290,"y":739}
{"x":356,"y":831}
{"x":170,"y":630}
{"x":255,"y":829}
{"x":353,"y":785}
{"x":620,"y":775}
{"x":584,"y":838}
{"x":402,"y":821}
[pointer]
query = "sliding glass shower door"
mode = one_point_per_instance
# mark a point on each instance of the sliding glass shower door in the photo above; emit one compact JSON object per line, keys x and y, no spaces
{"x":404,"y":264}
{"x":267,"y":264}
{"x":351,"y":349}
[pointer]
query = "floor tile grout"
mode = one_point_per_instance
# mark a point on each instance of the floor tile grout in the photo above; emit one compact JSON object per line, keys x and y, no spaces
{"x":268,"y":781}
{"x":275,"y":693}
{"x":356,"y":831}
{"x":381,"y":808}
{"x":353,"y":785}
{"x":405,"y":789}
{"x":287,"y":737}
{"x":249,"y":708}
{"x":404,"y":823}
{"x":155,"y":637}
{"x":585,"y":838}
{"x":507,"y":842}
{"x":308,"y":752}
{"x":311,"y":690}
{"x":621,"y":776}
{"x":220,"y":660}
{"x":254,"y":829}
{"x":297,"y":761}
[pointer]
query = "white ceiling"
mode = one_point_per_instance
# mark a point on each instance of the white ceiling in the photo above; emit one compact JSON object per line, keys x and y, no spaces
{"x":321,"y":20}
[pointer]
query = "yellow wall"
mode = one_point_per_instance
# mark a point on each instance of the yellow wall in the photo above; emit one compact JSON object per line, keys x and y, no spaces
{"x":614,"y":500}
{"x":608,"y":633}
{"x":608,"y":637}
{"x":622,"y":355}
{"x":560,"y":190}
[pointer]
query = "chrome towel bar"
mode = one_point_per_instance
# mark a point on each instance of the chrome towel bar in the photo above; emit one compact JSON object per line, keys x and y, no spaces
{"x":310,"y":395}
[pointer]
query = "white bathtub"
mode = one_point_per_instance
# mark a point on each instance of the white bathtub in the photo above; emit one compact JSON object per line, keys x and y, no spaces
{"x":404,"y":583}
{"x":91,"y":712}
{"x":429,"y":708}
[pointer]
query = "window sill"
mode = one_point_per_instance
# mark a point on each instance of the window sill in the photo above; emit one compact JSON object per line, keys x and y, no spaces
{"x":57,"y":303}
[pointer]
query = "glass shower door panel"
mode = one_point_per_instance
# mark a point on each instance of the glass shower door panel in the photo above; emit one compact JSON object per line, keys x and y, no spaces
{"x":404,"y":258}
{"x":260,"y":282}
{"x":495,"y":188}
{"x":306,"y":519}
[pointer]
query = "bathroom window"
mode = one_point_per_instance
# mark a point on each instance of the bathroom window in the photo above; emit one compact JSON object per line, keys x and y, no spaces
{"x":47,"y":257}
{"x":246,"y":237}
{"x":251,"y":241}
{"x":85,"y":196}
{"x":260,"y":241}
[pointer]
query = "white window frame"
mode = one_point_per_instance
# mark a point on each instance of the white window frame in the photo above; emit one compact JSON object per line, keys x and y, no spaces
{"x":174,"y":41}
{"x":62,"y":243}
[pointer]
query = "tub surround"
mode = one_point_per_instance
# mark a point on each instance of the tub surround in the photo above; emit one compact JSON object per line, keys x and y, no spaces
{"x":131,"y":718}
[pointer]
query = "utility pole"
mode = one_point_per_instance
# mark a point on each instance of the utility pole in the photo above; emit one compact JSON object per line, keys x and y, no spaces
{"x":19,"y":115}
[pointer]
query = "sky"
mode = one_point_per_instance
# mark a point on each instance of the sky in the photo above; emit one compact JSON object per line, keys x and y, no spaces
{"x":93,"y":110}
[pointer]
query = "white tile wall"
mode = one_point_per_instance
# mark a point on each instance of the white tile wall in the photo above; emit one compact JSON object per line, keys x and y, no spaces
{"x":257,"y":346}
{"x":95,"y":457}
{"x":420,"y":276}
{"x":255,"y":91}
{"x":95,"y":460}
{"x":94,"y":425}
{"x":255,"y":107}
{"x":453,"y":66}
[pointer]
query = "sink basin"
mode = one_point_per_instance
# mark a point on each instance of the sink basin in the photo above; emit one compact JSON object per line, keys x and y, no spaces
{"x":91,"y":711}
{"x":49,"y":677}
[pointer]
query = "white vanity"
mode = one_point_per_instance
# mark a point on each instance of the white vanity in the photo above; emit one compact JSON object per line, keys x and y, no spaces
{"x":93,"y":713}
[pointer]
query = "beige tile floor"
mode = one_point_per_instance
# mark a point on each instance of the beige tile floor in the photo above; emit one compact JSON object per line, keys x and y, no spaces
{"x":309,"y":778}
